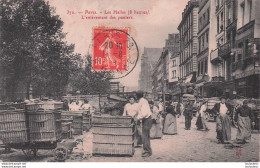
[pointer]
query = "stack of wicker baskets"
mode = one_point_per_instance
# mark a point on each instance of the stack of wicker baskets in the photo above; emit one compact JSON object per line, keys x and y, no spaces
{"x":31,"y":124}
{"x":113,"y":135}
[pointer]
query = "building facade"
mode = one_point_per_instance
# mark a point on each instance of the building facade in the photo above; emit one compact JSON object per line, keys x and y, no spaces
{"x":188,"y":30}
{"x":245,"y":55}
{"x":148,"y":62}
{"x":207,"y":31}
{"x":165,"y":72}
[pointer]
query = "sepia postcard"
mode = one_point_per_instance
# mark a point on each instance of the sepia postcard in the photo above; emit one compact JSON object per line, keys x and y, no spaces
{"x":129,"y":81}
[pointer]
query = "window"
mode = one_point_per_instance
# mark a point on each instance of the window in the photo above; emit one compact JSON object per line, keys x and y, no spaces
{"x":174,"y":74}
{"x":208,"y":15}
{"x":250,"y":9}
{"x":198,"y":68}
{"x":243,"y":13}
{"x":203,"y":42}
{"x":199,"y":45}
{"x":221,"y":23}
{"x":206,"y":66}
{"x":174,"y":62}
{"x":218,"y":24}
{"x":201,"y":67}
{"x":207,"y":37}
{"x":246,"y":48}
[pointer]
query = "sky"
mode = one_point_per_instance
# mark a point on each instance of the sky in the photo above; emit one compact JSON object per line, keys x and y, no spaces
{"x":148,"y":30}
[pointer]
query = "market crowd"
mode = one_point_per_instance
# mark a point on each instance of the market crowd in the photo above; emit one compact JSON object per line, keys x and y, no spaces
{"x":155,"y":118}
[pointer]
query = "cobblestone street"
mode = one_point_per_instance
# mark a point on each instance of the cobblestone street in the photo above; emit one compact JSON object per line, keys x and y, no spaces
{"x":187,"y":146}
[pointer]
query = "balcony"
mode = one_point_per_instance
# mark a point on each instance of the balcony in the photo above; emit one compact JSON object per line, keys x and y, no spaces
{"x":214,"y":57}
{"x":225,"y":50}
{"x":218,"y":79}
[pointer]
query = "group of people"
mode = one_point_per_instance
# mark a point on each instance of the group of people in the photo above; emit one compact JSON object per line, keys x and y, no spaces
{"x":76,"y":105}
{"x":152,"y":119}
{"x":243,"y":116}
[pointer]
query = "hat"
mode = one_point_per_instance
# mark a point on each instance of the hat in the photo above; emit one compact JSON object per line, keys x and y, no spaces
{"x":222,"y":97}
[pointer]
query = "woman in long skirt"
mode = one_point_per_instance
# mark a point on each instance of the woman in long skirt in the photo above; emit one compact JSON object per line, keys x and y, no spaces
{"x":156,"y":130}
{"x":243,"y":117}
{"x":170,"y":124}
{"x":223,"y":123}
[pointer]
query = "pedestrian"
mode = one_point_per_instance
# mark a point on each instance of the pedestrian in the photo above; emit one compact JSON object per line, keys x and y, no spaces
{"x":66,"y":105}
{"x":131,"y":109}
{"x":188,"y":114}
{"x":144,"y":114}
{"x":86,"y":106}
{"x":161,"y":111}
{"x":244,"y":116}
{"x":223,"y":123}
{"x":156,"y":130}
{"x":170,"y":124}
{"x":201,"y":120}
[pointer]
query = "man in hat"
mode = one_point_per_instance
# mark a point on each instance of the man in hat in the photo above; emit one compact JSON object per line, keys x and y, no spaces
{"x":223,"y":123}
{"x":145,"y":115}
{"x":188,"y":114}
{"x":244,"y":116}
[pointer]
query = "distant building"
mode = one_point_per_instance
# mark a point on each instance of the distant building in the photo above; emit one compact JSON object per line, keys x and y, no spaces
{"x":148,"y":62}
{"x":165,"y":73}
{"x":188,"y":29}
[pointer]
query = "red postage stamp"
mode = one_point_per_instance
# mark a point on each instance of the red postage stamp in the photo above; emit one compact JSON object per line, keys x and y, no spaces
{"x":110,"y":49}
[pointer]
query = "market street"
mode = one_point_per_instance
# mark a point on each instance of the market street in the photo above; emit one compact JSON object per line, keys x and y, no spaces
{"x":187,"y":146}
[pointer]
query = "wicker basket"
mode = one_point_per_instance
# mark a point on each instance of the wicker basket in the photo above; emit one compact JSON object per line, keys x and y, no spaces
{"x":44,"y":126}
{"x":113,"y":149}
{"x":112,"y":120}
{"x":13,"y":126}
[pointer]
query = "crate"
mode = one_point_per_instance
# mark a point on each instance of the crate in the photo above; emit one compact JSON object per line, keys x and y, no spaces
{"x":113,"y":149}
{"x":116,"y":139}
{"x":112,"y":120}
{"x":45,"y":126}
{"x":113,"y":129}
{"x":13,"y":126}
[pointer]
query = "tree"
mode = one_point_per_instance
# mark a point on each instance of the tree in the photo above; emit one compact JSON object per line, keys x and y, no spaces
{"x":34,"y":51}
{"x":88,"y":81}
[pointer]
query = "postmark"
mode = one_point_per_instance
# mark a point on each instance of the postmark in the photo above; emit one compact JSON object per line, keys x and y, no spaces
{"x":114,"y":50}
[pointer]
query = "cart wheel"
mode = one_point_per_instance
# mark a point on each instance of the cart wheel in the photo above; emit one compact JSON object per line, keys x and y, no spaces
{"x":60,"y":153}
{"x":30,"y":153}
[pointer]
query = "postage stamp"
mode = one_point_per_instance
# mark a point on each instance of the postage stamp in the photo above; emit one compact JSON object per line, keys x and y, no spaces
{"x":114,"y":50}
